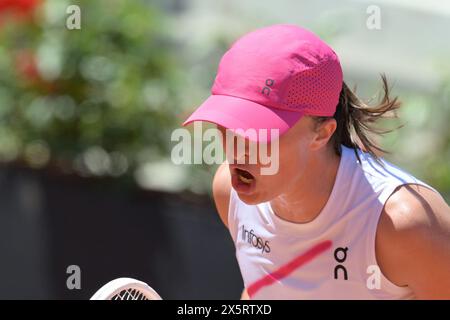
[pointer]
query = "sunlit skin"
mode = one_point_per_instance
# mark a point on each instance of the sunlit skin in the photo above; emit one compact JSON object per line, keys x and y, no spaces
{"x":304,"y":155}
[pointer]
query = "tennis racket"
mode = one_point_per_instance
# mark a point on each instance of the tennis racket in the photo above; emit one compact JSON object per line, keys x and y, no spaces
{"x":126,"y":289}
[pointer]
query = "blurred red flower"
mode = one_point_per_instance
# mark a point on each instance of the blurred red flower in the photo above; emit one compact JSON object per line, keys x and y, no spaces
{"x":19,"y":8}
{"x":25,"y":63}
{"x":23,"y":6}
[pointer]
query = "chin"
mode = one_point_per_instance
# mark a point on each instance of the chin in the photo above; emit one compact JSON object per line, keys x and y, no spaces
{"x":251,"y":199}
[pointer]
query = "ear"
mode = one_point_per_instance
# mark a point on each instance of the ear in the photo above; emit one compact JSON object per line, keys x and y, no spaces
{"x":323,"y":133}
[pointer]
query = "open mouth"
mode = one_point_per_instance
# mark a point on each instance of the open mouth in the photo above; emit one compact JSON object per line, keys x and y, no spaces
{"x":244,"y":176}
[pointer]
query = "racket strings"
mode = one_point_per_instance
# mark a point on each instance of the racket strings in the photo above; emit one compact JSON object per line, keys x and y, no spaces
{"x":129,"y":294}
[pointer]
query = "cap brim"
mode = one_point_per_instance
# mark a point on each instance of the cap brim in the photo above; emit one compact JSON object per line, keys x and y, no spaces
{"x":240,"y":115}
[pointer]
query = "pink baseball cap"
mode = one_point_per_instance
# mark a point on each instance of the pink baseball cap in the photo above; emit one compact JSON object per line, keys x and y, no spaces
{"x":270,"y":78}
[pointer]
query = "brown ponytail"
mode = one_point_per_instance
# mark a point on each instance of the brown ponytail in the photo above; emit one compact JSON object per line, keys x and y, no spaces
{"x":356,"y":120}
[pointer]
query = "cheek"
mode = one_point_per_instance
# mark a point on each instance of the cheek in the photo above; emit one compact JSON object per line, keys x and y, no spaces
{"x":292,"y":163}
{"x":291,"y":156}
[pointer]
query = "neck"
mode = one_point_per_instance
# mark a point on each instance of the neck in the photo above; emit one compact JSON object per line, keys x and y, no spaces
{"x":308,"y":196}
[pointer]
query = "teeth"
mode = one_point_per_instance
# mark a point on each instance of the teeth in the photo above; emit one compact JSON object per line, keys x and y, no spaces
{"x":245,"y":180}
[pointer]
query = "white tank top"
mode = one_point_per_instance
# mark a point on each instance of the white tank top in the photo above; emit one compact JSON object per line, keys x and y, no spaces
{"x":331,"y":257}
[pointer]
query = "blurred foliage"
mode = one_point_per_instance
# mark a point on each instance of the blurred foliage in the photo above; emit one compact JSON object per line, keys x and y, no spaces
{"x":101,"y":100}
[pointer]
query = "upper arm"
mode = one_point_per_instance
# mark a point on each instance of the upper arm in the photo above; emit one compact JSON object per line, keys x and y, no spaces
{"x":413,"y":241}
{"x":221,"y":191}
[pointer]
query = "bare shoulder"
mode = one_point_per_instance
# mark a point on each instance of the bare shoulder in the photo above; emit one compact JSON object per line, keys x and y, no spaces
{"x":416,"y":208}
{"x":221,"y":191}
{"x":413,"y":241}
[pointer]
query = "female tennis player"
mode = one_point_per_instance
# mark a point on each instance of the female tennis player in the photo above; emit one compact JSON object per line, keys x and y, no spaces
{"x":336,"y":221}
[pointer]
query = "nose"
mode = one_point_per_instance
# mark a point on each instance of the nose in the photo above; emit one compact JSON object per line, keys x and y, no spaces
{"x":237,"y":150}
{"x":241,"y":152}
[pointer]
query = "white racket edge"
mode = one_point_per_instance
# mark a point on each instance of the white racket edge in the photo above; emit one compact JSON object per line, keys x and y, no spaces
{"x":114,"y":287}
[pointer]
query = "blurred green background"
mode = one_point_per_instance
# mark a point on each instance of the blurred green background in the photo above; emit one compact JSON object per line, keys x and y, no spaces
{"x":104,"y":99}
